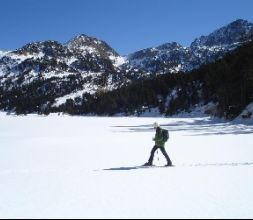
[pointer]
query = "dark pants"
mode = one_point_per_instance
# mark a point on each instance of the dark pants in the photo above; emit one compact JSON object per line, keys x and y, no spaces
{"x":155,"y":148}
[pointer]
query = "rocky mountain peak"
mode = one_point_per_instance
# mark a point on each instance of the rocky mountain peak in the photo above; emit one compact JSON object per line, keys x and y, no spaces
{"x":90,"y":45}
{"x":172,"y":57}
{"x":170,"y":46}
{"x":232,"y":33}
{"x":46,"y":48}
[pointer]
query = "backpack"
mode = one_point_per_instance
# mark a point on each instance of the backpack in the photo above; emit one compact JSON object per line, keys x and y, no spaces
{"x":166,"y":135}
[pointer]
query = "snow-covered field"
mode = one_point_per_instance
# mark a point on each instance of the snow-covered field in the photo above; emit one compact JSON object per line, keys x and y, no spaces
{"x":84,"y":167}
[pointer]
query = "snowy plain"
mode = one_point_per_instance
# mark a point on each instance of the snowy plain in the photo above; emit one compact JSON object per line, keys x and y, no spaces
{"x":85,"y":167}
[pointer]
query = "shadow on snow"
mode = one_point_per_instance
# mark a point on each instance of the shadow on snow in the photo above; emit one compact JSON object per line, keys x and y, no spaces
{"x":197,"y":127}
{"x":184,"y":166}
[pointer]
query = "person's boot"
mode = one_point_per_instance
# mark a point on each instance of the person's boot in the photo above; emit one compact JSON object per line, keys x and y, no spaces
{"x":169,"y":165}
{"x":148,"y":164}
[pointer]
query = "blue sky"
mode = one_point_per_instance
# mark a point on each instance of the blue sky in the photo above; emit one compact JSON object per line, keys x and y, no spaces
{"x":127,"y":25}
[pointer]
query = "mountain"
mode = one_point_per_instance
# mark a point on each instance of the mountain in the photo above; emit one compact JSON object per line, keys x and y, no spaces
{"x":169,"y":57}
{"x":226,"y":36}
{"x":173,"y":57}
{"x":49,"y":70}
{"x":79,"y":55}
{"x":223,"y":88}
{"x":45,"y":75}
{"x":84,"y":46}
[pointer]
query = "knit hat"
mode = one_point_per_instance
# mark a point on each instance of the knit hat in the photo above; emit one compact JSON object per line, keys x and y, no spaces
{"x":156,"y":125}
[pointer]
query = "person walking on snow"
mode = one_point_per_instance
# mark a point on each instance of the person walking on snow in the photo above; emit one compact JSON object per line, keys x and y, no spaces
{"x":160,"y":139}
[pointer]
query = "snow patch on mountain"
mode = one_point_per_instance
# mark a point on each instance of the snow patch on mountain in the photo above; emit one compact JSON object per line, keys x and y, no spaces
{"x":87,"y":89}
{"x":2,"y":53}
{"x":247,"y":115}
{"x":58,"y":74}
{"x":118,"y":61}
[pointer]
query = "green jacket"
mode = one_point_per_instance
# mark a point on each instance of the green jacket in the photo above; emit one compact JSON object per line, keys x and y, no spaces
{"x":159,"y":138}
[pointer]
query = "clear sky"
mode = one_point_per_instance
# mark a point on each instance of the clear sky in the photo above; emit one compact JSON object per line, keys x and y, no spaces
{"x":126,"y":25}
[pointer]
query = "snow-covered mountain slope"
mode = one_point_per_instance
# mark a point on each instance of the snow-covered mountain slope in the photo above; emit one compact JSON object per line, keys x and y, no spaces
{"x":173,"y":57}
{"x":169,"y":57}
{"x":82,"y":64}
{"x":84,"y":167}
